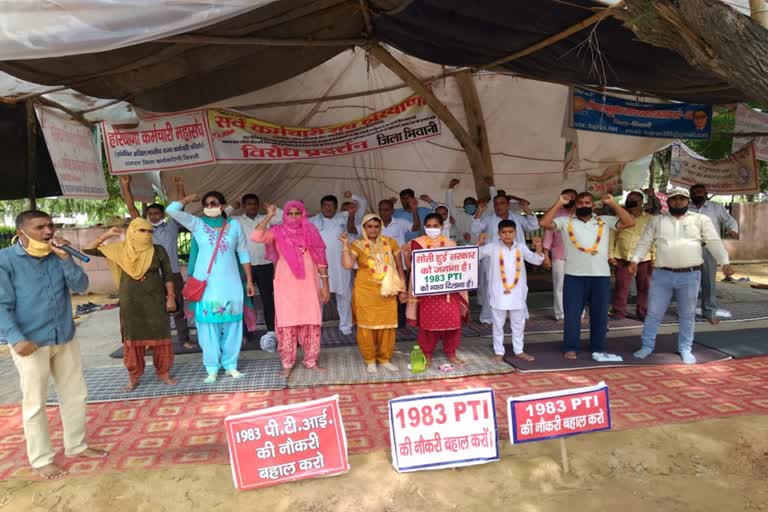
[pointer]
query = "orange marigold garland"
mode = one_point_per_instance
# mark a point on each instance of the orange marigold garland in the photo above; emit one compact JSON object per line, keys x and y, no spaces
{"x":591,"y":250}
{"x":518,"y":266}
{"x":372,"y":262}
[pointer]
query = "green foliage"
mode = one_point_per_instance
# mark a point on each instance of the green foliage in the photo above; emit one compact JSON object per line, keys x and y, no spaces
{"x":721,"y":142}
{"x":97,"y":210}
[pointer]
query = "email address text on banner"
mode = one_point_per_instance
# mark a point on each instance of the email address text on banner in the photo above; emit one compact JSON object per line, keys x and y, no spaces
{"x":597,"y":112}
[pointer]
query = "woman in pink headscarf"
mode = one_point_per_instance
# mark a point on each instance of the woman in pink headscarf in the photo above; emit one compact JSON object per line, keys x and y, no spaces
{"x":298,"y":251}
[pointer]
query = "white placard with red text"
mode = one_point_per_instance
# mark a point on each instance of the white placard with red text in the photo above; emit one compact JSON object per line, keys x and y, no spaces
{"x":159,"y":143}
{"x":447,"y":270}
{"x":443,"y":430}
{"x":73,"y":154}
{"x":558,"y":413}
{"x":287,"y":443}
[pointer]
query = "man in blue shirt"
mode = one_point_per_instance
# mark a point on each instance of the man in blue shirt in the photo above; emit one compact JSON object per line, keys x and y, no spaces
{"x":36,"y":277}
{"x":409,"y":201}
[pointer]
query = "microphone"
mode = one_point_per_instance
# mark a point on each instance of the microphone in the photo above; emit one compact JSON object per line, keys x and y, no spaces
{"x":73,"y":252}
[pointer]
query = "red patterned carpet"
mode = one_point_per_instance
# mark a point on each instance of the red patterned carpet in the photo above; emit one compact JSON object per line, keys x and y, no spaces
{"x":157,"y":433}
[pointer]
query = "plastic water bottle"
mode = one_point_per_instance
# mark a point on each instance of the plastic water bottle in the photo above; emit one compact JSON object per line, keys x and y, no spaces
{"x":418,"y":360}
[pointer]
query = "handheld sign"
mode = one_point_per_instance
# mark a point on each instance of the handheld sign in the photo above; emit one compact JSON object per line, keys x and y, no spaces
{"x":558,"y":413}
{"x":443,"y":430}
{"x":452,"y":269}
{"x":287,"y":443}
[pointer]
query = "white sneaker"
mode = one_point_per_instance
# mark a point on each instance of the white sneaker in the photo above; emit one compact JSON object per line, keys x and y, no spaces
{"x":371,"y":368}
{"x":346,"y":332}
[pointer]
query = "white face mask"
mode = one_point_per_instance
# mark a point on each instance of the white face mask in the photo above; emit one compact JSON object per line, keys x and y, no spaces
{"x":433,"y":232}
{"x":212,"y":212}
{"x":157,"y":224}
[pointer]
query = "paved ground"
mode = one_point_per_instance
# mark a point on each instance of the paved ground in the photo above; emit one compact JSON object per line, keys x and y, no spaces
{"x":99,"y":336}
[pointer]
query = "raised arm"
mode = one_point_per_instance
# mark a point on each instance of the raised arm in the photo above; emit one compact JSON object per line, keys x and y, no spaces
{"x":347,"y":261}
{"x":125,"y":190}
{"x":626,"y":219}
{"x":176,"y":211}
{"x":450,"y":199}
{"x":260,"y":234}
{"x":547,"y":221}
{"x":480,"y":220}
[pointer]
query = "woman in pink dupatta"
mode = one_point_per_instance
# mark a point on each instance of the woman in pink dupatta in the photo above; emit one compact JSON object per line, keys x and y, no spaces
{"x":298,"y":251}
{"x":437,"y":316}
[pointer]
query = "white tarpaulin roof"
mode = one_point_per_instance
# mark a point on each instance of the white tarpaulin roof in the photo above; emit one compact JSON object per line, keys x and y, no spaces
{"x":36,"y":29}
{"x":525,"y":121}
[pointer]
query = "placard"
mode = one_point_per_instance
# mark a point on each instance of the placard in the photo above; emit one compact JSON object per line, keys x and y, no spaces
{"x":558,"y":413}
{"x":736,"y":174}
{"x":74,"y":156}
{"x":159,"y":143}
{"x":287,"y":443}
{"x":447,"y":270}
{"x":443,"y":430}
{"x":599,"y":112}
{"x":238,"y":137}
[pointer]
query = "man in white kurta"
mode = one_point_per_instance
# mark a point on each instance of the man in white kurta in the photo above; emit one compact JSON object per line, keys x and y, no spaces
{"x":489,"y":224}
{"x":331,"y":223}
{"x":508,"y":300}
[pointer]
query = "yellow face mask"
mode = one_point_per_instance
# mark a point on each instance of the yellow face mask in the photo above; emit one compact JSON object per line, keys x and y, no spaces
{"x":35,"y":248}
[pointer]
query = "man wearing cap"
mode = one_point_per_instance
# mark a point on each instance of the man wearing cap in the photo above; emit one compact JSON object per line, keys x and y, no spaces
{"x":678,"y":236}
{"x":722,"y":221}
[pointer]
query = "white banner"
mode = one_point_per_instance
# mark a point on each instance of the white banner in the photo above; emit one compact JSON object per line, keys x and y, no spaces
{"x":749,"y":120}
{"x":73,"y":154}
{"x":447,"y":270}
{"x":159,"y":143}
{"x":238,"y":138}
{"x":737,"y":174}
{"x":443,"y":430}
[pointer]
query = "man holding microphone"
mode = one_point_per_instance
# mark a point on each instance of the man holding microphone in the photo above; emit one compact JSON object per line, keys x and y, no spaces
{"x":36,"y":277}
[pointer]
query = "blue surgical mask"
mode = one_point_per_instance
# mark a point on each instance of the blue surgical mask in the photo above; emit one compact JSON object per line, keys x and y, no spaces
{"x":470,"y":209}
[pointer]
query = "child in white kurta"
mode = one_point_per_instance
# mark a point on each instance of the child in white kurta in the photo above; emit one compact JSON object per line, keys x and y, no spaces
{"x":508,"y":286}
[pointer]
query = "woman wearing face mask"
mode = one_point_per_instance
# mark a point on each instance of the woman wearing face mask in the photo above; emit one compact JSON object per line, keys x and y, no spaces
{"x":437,"y":316}
{"x":219,"y":314}
{"x":379,"y":283}
{"x":143,"y":274}
{"x":298,"y":252}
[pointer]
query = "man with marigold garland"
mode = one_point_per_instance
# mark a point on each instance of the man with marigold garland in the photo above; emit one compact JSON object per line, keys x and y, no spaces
{"x":586,"y":237}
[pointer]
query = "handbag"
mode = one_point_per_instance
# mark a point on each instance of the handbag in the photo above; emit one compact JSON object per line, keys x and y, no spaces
{"x":194,"y":288}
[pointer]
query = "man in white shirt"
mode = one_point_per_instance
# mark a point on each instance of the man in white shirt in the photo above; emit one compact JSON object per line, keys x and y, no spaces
{"x":678,"y":236}
{"x":263,"y":270}
{"x":463,"y":217}
{"x":331,"y":223}
{"x":400,"y":230}
{"x":586,"y":239}
{"x":395,"y":227}
{"x":488,"y":224}
{"x":722,"y":221}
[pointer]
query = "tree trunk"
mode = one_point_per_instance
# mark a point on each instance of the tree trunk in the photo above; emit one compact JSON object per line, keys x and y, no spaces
{"x":708,"y":34}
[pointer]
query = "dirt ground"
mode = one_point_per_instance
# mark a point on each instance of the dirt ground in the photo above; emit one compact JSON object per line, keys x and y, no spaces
{"x":717,"y":465}
{"x":758,"y":273}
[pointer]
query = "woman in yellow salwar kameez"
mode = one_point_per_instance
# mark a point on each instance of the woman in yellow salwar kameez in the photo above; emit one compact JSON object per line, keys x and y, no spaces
{"x":378,"y":285}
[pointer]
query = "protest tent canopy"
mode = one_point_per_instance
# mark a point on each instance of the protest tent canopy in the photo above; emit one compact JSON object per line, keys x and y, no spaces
{"x":284,"y":38}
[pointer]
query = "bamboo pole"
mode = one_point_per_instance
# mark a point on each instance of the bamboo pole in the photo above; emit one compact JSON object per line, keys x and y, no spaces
{"x":31,"y":155}
{"x":258,"y":41}
{"x":471,"y":151}
{"x":477,"y":130}
{"x":77,"y":116}
{"x":578,"y":27}
{"x":758,"y":11}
